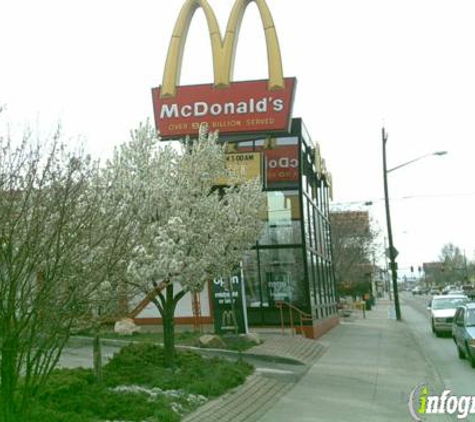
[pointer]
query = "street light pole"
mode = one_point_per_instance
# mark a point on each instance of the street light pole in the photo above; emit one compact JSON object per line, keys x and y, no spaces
{"x":387,"y":282}
{"x":392,"y":251}
{"x":415,"y":159}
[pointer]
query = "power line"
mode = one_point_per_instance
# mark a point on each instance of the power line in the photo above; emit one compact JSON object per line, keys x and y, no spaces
{"x":444,"y":195}
{"x":369,"y":202}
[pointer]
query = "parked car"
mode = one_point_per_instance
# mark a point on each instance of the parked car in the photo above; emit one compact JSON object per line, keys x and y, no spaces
{"x":434,"y":291}
{"x":417,"y":290}
{"x":455,"y":292}
{"x":451,"y":287}
{"x":463,"y":332}
{"x":442,"y":309}
{"x":469,"y":290}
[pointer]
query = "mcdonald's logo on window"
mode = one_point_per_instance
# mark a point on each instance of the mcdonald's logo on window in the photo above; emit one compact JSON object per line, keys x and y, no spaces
{"x":228,"y":322}
{"x":227,"y":106}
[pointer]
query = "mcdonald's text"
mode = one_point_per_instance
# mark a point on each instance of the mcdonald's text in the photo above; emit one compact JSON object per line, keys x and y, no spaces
{"x":242,"y":107}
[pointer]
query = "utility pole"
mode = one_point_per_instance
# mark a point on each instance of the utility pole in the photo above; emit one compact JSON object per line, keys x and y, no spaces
{"x":387,"y":282}
{"x":465,"y":266}
{"x":392,"y":252}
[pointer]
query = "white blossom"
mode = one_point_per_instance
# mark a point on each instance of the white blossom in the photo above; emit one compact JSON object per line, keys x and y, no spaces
{"x":189,"y":234}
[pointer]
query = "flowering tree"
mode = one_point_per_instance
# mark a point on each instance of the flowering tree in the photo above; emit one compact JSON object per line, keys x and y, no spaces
{"x":111,"y":237}
{"x":191,"y":231}
{"x":59,"y":241}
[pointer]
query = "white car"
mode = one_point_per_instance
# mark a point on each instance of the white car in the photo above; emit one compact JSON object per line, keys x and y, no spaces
{"x":449,"y":288}
{"x":455,"y":292}
{"x":416,"y":290}
{"x":442,"y":309}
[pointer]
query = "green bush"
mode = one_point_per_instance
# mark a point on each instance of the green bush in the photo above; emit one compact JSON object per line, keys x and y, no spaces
{"x":237,"y":342}
{"x":144,"y":364}
{"x":73,"y":391}
{"x":72,"y":395}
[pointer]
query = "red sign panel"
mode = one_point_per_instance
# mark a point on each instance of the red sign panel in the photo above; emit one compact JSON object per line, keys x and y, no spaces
{"x":242,"y":107}
{"x":282,"y":164}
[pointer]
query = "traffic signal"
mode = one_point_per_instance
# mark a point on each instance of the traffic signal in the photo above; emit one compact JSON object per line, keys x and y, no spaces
{"x":412,"y":269}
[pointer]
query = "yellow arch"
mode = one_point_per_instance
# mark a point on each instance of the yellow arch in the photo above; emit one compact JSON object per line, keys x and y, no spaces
{"x":224,"y":50}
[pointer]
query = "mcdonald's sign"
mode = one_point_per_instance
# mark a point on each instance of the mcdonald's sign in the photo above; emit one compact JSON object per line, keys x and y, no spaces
{"x":228,"y":322}
{"x":230,"y":107}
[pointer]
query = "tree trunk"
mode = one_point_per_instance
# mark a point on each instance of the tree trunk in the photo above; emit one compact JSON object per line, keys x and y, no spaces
{"x":8,"y":381}
{"x":97,"y":356}
{"x":168,"y":318}
{"x":166,"y":305}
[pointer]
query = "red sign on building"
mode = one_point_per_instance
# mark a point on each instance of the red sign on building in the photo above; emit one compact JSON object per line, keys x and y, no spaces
{"x":242,"y":107}
{"x":282,"y":164}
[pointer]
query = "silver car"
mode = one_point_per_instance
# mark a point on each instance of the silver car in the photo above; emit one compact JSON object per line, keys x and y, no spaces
{"x":463,"y":332}
{"x":442,"y":309}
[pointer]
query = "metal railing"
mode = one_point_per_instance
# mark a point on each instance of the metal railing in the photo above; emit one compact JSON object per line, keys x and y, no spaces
{"x":303,"y":316}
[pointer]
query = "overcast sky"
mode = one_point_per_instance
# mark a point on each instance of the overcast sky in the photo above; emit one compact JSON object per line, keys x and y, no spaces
{"x":408,"y":65}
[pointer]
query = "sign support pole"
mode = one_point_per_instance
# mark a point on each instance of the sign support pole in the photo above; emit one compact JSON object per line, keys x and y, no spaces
{"x":244,"y":304}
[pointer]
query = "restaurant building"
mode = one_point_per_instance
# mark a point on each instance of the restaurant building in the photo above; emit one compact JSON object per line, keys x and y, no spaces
{"x":292,"y":260}
{"x":289,"y":272}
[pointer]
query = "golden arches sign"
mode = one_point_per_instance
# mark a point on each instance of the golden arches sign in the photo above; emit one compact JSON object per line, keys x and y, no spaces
{"x":228,"y":321}
{"x":223,"y":49}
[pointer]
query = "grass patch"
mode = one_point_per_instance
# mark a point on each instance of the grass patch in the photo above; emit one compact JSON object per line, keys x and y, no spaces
{"x":137,"y":387}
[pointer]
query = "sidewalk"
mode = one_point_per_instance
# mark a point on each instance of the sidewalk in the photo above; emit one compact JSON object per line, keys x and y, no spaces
{"x":362,"y":370}
{"x":287,"y":359}
{"x":367,"y":373}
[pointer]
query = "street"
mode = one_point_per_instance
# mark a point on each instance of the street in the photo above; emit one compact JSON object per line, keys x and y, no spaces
{"x":455,"y":374}
{"x":79,"y":354}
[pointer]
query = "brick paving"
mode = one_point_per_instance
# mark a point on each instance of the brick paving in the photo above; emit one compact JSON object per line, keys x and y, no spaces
{"x":250,"y":401}
{"x":245,"y":404}
{"x":297,"y":348}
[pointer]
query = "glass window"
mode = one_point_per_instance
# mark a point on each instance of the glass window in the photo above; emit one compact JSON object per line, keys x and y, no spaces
{"x":311,"y":275}
{"x":283,"y":276}
{"x":310,"y":225}
{"x":470,"y":318}
{"x":318,"y":287}
{"x":251,"y":279}
{"x":448,"y":303}
{"x":283,"y":219}
{"x":312,"y":190}
{"x":321,"y":275}
{"x":293,"y":140}
{"x":245,"y":146}
{"x":326,"y":240}
{"x":318,"y":231}
{"x":305,"y":135}
{"x":304,"y":182}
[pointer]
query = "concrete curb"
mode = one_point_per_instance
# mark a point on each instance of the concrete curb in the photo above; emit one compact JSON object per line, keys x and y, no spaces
{"x":83,"y":340}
